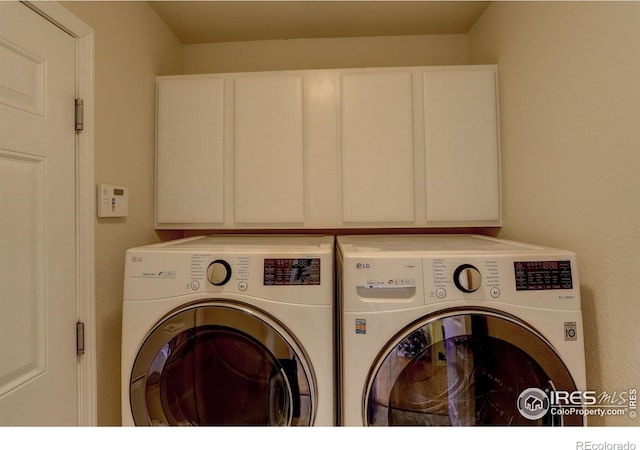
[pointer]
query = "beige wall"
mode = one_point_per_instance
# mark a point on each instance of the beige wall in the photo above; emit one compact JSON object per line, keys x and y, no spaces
{"x":570,"y":117}
{"x":132,"y":46}
{"x":326,"y":53}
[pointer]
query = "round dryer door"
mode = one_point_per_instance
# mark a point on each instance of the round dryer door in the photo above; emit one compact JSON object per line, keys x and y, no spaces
{"x":221,"y":364}
{"x":467,"y":368}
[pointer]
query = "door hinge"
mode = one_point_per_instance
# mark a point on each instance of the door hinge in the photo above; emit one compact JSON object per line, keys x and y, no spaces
{"x":80,"y":338}
{"x":79,"y":114}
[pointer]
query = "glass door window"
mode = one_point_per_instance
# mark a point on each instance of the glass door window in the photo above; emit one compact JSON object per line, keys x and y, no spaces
{"x":464,"y":368}
{"x":220,"y":365}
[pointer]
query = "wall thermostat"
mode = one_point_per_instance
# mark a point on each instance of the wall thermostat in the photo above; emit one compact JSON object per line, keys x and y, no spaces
{"x":113,"y":201}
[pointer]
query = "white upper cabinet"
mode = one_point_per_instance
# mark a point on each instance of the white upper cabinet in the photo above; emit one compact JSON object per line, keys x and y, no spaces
{"x":190,"y":152}
{"x":377,"y":148}
{"x":390,"y":147}
{"x":268,"y":150}
{"x":461,"y":146}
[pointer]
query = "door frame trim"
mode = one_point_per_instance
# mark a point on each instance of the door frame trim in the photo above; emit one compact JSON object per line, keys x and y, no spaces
{"x":85,"y":203}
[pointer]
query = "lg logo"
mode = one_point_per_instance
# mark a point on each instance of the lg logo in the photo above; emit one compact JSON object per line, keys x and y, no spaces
{"x":363,"y":266}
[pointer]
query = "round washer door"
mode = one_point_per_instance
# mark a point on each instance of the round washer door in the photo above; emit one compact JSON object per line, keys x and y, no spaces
{"x":472,"y":367}
{"x":220,"y":363}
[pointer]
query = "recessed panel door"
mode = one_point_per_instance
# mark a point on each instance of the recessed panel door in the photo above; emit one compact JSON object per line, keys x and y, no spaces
{"x":377,"y":148}
{"x":269,"y":150}
{"x":190,"y":151}
{"x":462,"y":155}
{"x":38,"y":267}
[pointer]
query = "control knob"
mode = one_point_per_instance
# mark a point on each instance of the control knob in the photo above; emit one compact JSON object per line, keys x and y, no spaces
{"x":219,"y":272}
{"x":467,"y":278}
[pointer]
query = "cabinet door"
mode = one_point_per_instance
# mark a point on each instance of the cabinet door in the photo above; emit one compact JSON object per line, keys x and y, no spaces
{"x":268,"y":150}
{"x":377,"y":148}
{"x":189,"y":151}
{"x":461,"y":145}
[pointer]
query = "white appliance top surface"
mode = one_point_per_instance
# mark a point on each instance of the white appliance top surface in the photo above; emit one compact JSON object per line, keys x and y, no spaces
{"x":434,"y":243}
{"x":308,"y":243}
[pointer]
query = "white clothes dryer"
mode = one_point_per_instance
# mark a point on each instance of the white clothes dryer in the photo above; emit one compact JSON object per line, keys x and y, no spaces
{"x":458,"y":330}
{"x":229,"y":330}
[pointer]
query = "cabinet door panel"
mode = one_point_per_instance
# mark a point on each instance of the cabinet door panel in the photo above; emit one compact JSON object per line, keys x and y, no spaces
{"x":461,"y":144}
{"x":377,"y":148}
{"x":268,"y":150}
{"x":189,"y":164}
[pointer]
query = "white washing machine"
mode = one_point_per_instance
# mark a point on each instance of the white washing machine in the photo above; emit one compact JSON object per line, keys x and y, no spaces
{"x":458,"y":330}
{"x":229,"y":330}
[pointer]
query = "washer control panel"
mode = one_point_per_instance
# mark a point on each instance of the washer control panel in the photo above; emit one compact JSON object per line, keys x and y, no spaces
{"x":542,"y":275}
{"x":453,"y":278}
{"x":501,"y":279}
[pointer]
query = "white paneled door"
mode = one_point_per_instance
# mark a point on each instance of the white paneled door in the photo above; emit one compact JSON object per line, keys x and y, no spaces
{"x":38,"y":254}
{"x":378,"y":148}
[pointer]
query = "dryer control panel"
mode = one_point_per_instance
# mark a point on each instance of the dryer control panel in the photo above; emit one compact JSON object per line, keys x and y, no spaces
{"x":219,"y":270}
{"x":291,"y":271}
{"x":153,"y":275}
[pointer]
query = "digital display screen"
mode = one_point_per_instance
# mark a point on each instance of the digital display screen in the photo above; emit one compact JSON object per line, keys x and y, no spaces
{"x":118,"y":192}
{"x":292,"y":272}
{"x":543,"y":275}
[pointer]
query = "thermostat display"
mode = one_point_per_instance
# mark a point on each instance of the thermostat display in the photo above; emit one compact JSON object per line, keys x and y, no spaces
{"x":113,"y":201}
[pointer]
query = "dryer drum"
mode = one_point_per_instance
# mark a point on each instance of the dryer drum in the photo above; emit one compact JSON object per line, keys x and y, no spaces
{"x":464,"y":368}
{"x":219,"y":365}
